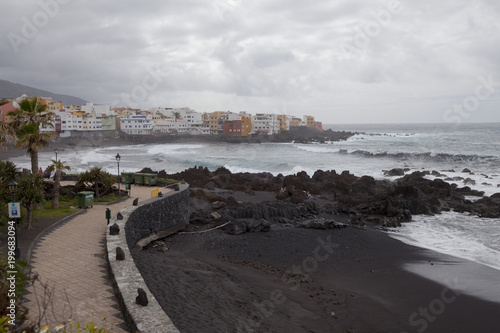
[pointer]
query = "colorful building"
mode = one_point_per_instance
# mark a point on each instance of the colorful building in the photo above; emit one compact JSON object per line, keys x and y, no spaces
{"x":294,"y":122}
{"x":284,"y":122}
{"x":246,"y":126}
{"x":4,"y":110}
{"x":51,"y":104}
{"x":309,"y":121}
{"x":232,"y":127}
{"x":318,"y":125}
{"x":213,"y":121}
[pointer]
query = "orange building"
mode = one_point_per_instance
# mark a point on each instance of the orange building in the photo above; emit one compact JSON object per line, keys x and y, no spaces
{"x":246,"y":125}
{"x":295,"y":122}
{"x":309,"y":121}
{"x":213,"y":121}
{"x":284,"y":122}
{"x":51,"y":104}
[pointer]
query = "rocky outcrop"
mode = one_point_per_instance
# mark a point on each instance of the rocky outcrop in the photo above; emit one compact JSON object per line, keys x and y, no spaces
{"x":364,"y":199}
{"x":237,"y":227}
{"x":321,"y":223}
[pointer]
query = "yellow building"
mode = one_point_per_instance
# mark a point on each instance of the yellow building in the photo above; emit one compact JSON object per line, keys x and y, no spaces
{"x":51,"y":104}
{"x":295,"y":122}
{"x":284,"y":122}
{"x":309,"y":121}
{"x":213,"y":121}
{"x":246,"y":125}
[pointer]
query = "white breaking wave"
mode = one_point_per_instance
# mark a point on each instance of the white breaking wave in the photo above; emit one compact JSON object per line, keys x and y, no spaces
{"x":238,"y":169}
{"x":173,"y":148}
{"x":91,"y":157}
{"x":317,"y":148}
{"x":460,"y":235}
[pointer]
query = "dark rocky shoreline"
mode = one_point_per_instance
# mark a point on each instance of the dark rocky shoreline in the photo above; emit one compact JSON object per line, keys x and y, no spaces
{"x":318,"y":201}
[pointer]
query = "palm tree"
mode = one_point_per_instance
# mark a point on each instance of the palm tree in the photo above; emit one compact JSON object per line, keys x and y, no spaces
{"x":30,"y":137}
{"x":4,"y":135}
{"x":58,"y":166}
{"x":97,"y":178}
{"x":24,"y":127}
{"x":176,"y":115}
{"x":31,"y":193}
{"x":32,"y":111}
{"x":8,"y":173}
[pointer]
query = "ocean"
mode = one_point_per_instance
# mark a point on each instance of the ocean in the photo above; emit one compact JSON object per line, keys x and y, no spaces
{"x":445,"y":148}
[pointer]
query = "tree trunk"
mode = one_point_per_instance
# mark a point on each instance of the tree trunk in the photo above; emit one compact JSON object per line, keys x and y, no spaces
{"x":97,"y":190}
{"x":29,"y":215}
{"x":57,"y":186}
{"x":34,"y":171}
{"x":34,"y":161}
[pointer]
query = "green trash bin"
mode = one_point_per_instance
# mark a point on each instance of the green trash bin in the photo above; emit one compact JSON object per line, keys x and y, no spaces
{"x":150,"y":179}
{"x":85,"y":199}
{"x":139,"y":178}
{"x":128,"y":177}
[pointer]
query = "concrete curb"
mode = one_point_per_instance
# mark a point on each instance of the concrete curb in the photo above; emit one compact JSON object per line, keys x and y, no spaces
{"x":127,"y":279}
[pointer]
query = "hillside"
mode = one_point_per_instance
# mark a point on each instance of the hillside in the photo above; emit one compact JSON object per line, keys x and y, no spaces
{"x":11,"y":90}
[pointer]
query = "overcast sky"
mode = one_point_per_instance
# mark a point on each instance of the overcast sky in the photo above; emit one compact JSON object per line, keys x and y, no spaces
{"x":342,"y":61}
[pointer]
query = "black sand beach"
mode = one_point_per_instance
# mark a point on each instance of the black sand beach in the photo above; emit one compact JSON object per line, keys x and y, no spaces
{"x":302,"y":280}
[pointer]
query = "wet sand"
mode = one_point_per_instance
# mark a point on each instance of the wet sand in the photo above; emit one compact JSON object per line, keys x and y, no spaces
{"x":302,"y":280}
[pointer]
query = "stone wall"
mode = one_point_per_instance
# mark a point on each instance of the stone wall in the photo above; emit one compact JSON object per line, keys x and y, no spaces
{"x":160,"y":216}
{"x":157,"y":215}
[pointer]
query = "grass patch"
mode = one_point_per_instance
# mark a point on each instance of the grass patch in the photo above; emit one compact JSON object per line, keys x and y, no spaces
{"x":169,"y":180}
{"x":47,"y":212}
{"x":108,"y":198}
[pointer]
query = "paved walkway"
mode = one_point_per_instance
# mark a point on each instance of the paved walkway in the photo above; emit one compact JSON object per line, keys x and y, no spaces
{"x":71,"y":261}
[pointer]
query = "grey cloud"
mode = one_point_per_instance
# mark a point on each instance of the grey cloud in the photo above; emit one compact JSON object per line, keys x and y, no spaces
{"x":273,"y":55}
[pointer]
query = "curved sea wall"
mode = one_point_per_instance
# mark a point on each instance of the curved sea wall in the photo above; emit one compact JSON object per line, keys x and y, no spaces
{"x":140,"y":224}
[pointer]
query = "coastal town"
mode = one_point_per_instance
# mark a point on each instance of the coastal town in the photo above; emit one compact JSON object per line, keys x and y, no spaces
{"x":90,"y":119}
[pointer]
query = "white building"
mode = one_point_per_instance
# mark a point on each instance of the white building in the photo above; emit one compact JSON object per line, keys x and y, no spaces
{"x":132,"y":124}
{"x":92,"y":123}
{"x":97,"y":109}
{"x":170,"y":125}
{"x":183,"y":126}
{"x":191,"y":117}
{"x":265,"y":123}
{"x":70,"y":122}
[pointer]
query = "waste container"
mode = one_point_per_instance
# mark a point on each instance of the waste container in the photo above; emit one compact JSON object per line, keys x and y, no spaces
{"x":139,"y":178}
{"x":85,"y":199}
{"x":128,"y":177}
{"x":150,"y":179}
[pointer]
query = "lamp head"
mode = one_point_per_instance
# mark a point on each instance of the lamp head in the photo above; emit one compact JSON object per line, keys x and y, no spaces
{"x":12,"y":186}
{"x":118,"y":157}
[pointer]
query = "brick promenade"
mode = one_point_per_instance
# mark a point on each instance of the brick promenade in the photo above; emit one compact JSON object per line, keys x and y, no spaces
{"x":71,"y":261}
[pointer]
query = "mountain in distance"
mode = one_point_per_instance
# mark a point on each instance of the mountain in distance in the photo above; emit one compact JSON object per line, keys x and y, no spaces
{"x":12,"y":90}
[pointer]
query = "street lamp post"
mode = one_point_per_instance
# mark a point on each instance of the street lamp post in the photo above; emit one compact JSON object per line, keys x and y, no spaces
{"x":12,"y":189}
{"x":56,"y":151}
{"x":119,"y":180}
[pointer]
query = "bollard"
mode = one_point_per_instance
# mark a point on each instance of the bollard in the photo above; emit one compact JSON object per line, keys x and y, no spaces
{"x":108,"y":214}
